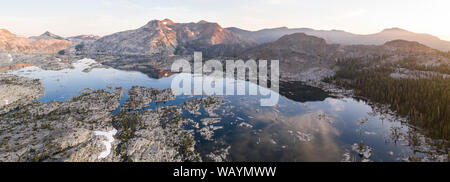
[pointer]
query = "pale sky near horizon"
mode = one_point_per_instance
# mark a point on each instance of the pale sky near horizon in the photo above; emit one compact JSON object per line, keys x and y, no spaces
{"x":103,"y":17}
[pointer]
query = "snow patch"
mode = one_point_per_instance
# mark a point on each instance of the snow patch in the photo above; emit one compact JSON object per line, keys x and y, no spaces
{"x":84,"y":63}
{"x":10,"y":58}
{"x":109,"y":135}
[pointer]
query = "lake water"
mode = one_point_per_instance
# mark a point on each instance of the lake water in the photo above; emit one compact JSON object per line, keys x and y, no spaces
{"x":306,"y":125}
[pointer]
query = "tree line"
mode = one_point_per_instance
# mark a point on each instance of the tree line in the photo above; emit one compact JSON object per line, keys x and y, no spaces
{"x":425,"y":101}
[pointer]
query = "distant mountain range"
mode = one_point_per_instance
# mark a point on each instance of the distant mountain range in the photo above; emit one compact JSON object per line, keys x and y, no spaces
{"x":303,"y":48}
{"x":85,"y":37}
{"x":309,"y":57}
{"x":304,"y":54}
{"x":346,"y":38}
{"x":165,"y":37}
{"x":169,"y":38}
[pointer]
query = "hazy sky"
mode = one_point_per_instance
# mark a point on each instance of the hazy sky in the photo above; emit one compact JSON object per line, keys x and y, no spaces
{"x":101,"y":17}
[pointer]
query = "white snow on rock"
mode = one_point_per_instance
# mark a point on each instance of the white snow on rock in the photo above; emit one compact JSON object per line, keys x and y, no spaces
{"x":10,"y":58}
{"x":109,"y":135}
{"x":84,"y":63}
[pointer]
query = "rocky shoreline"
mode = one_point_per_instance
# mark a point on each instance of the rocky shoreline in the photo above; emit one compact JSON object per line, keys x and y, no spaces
{"x":17,"y":91}
{"x":11,"y":60}
{"x":69,"y":131}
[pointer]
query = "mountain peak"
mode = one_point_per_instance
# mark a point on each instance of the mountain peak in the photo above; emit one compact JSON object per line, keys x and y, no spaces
{"x":2,"y":30}
{"x":167,"y":22}
{"x":335,"y":30}
{"x":275,"y":29}
{"x":152,"y":23}
{"x":394,"y":29}
{"x":202,"y":22}
{"x":301,"y":37}
{"x":48,"y":35}
{"x":5,"y":32}
{"x":159,"y":23}
{"x":407,"y":45}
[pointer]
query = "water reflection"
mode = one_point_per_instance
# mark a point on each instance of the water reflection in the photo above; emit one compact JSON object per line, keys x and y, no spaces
{"x":302,"y":137}
{"x":297,"y":91}
{"x":306,"y":125}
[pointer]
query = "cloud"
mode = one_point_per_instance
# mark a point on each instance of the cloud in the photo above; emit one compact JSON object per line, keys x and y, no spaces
{"x":336,"y":104}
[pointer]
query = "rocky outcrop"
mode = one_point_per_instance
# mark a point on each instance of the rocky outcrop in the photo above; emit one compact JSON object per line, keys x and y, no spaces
{"x":59,"y":131}
{"x":141,"y":97}
{"x":14,"y":60}
{"x":17,"y":91}
{"x":156,"y":136}
{"x":85,"y":128}
{"x":14,"y":67}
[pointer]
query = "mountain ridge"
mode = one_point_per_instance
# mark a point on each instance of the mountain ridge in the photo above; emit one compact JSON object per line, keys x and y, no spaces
{"x":47,"y":35}
{"x":168,"y":37}
{"x":15,"y":43}
{"x":313,"y":58}
{"x":347,"y":38}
